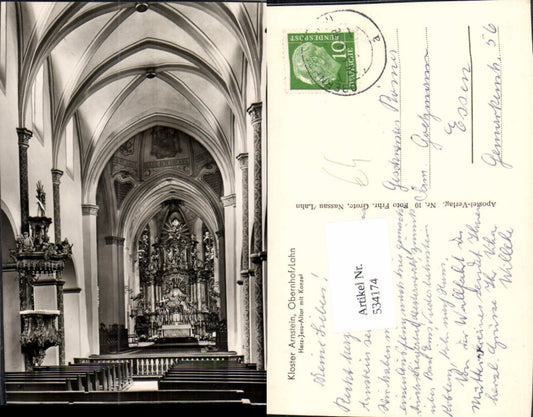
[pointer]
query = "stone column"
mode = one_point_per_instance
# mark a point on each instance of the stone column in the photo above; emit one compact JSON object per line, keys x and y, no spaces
{"x":56,"y":180}
{"x":114,"y":283}
{"x":24,"y":136}
{"x":89,"y":212}
{"x":222,"y":343}
{"x":259,"y":349}
{"x":245,"y":255}
{"x":229,"y":202}
{"x":61,"y":320}
{"x":152,"y":294}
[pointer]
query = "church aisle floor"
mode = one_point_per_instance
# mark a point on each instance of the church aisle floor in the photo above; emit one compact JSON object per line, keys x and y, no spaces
{"x":143,"y":386}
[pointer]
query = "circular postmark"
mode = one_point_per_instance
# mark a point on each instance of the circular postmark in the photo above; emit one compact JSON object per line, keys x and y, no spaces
{"x":344,"y":55}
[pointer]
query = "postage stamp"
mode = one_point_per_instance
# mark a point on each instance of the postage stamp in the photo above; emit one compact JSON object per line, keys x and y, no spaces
{"x":322,"y":61}
{"x":342,"y":52}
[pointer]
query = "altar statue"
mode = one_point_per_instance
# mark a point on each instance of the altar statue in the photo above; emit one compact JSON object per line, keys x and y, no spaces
{"x":41,"y":199}
{"x":25,"y":243}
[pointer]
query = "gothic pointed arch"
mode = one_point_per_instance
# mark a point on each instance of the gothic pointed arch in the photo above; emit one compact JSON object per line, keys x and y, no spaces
{"x":98,"y":156}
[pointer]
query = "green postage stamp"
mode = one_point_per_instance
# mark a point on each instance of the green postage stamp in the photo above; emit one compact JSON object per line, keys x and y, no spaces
{"x":322,"y":61}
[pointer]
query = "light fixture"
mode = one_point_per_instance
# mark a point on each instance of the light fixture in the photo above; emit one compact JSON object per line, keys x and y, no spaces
{"x":141,"y":7}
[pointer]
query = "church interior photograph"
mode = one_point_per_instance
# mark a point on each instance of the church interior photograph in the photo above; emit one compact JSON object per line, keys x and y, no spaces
{"x":133,"y":203}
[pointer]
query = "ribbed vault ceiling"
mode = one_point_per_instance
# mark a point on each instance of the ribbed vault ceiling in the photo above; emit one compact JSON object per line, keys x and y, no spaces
{"x":113,"y":64}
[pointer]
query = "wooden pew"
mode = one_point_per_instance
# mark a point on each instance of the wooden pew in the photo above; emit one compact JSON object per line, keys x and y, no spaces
{"x":202,"y":376}
{"x":94,"y":376}
{"x":196,"y":406}
{"x":118,"y":373}
{"x":199,"y":369}
{"x":213,"y":378}
{"x":126,"y":365}
{"x":237,"y":374}
{"x":75,"y":381}
{"x":101,"y":374}
{"x":88,"y":377}
{"x":123,"y":397}
{"x":254,"y":390}
{"x":215,"y":372}
{"x":42,"y":385}
{"x":216,"y":375}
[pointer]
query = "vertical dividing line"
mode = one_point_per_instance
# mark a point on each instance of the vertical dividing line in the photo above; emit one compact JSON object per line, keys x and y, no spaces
{"x":501,"y":90}
{"x":471,"y":97}
{"x":2,"y":354}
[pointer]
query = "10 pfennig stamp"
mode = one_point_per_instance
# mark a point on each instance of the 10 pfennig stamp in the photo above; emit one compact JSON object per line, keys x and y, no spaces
{"x":341,"y":52}
{"x":322,"y":61}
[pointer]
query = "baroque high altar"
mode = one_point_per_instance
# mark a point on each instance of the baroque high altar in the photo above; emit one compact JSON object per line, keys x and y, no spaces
{"x":177,"y":281}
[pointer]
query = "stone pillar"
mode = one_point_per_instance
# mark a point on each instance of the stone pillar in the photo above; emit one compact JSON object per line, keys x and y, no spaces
{"x":223,"y":345}
{"x":245,"y":254}
{"x":89,"y":212}
{"x":113,"y":283}
{"x":255,"y":112}
{"x":56,"y":180}
{"x":61,"y":320}
{"x":231,"y":269}
{"x":152,"y":294}
{"x":24,"y":136}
